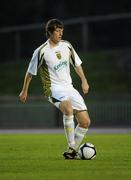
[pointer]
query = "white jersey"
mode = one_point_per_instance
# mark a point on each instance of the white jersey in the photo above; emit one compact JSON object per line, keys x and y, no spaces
{"x":54,"y":64}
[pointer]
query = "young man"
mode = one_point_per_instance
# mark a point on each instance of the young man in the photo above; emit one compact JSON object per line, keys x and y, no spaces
{"x":52,"y":59}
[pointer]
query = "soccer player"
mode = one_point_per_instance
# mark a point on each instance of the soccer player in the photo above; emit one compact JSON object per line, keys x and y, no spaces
{"x":52,"y":60}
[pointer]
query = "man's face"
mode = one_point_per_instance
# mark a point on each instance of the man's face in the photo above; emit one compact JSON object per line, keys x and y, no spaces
{"x":57,"y":34}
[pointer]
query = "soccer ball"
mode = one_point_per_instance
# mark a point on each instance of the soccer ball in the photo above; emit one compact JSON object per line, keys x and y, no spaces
{"x":87,"y":151}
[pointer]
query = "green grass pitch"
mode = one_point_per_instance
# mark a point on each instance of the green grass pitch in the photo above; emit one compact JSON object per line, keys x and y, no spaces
{"x":39,"y":157}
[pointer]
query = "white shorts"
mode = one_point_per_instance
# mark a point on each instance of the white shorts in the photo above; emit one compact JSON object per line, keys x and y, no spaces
{"x":60,"y":94}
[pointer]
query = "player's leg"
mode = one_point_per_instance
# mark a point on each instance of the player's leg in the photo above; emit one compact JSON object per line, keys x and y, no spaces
{"x":81,"y":115}
{"x":60,"y":98}
{"x":68,"y":121}
{"x":81,"y":129}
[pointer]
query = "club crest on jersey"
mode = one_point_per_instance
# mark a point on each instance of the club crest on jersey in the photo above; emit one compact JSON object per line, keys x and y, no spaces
{"x":58,"y":54}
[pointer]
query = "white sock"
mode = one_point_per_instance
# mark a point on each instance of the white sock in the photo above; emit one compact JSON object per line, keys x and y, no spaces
{"x":79,"y":135}
{"x":68,"y":122}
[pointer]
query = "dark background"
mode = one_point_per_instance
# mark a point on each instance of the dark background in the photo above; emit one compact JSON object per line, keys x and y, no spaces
{"x":108,"y":42}
{"x":103,"y":35}
{"x":19,"y":12}
{"x":106,"y":59}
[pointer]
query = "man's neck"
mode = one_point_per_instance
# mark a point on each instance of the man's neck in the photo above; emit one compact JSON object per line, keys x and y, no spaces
{"x":52,"y":43}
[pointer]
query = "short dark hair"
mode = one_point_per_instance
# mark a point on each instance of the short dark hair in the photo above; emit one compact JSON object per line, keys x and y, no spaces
{"x":51,"y":25}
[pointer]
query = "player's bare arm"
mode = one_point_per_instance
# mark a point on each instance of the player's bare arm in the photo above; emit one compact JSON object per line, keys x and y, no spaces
{"x":24,"y":93}
{"x":85,"y":85}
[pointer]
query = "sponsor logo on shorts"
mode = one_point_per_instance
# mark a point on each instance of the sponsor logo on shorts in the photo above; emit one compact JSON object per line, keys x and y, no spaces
{"x":62,"y":97}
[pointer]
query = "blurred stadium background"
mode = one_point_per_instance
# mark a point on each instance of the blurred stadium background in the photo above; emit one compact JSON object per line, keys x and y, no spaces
{"x":99,"y":30}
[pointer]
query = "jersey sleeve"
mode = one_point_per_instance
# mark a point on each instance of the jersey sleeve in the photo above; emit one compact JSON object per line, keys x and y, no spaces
{"x":74,"y":58}
{"x":32,"y":68}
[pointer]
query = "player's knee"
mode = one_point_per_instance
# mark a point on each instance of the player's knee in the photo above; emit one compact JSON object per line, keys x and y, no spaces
{"x":86,"y":123}
{"x":68,"y":111}
{"x":66,"y":108}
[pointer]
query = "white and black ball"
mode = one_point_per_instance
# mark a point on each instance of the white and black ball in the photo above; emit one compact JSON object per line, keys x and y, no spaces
{"x":87,"y":151}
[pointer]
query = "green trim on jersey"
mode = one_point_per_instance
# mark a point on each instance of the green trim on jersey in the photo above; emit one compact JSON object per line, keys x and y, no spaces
{"x":40,"y":56}
{"x":44,"y":73}
{"x":46,"y":82}
{"x":72,"y":56}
